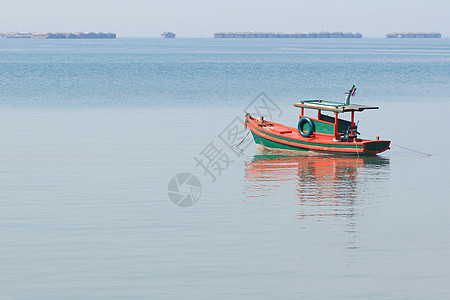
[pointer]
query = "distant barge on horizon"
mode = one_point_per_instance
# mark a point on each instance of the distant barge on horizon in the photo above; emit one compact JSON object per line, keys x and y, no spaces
{"x":269,"y":35}
{"x":57,"y":35}
{"x":414,"y":35}
{"x":168,"y":35}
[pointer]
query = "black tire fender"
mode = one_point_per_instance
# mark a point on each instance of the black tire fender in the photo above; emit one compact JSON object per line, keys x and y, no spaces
{"x":301,"y":123}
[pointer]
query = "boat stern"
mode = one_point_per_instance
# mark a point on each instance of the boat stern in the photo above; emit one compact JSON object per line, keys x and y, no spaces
{"x":374,"y":147}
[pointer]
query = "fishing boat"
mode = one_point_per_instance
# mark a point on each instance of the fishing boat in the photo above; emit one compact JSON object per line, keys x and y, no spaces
{"x":325,"y":133}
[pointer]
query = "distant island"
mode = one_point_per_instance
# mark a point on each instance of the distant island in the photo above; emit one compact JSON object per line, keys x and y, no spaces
{"x":269,"y":35}
{"x":57,"y":35}
{"x":414,"y":35}
{"x":168,"y":35}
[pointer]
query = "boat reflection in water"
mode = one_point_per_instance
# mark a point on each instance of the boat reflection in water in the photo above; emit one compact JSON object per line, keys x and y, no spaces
{"x":321,"y":185}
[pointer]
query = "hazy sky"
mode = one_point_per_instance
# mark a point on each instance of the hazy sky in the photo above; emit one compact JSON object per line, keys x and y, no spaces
{"x":201,"y":18}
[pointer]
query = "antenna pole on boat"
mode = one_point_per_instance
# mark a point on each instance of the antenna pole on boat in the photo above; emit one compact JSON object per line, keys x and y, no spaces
{"x":350,"y":94}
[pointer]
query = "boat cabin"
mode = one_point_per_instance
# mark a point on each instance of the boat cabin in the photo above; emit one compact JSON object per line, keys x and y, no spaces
{"x":342,"y":130}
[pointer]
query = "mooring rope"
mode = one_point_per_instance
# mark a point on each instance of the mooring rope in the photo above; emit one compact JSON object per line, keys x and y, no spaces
{"x":237,"y":145}
{"x":427,"y":154}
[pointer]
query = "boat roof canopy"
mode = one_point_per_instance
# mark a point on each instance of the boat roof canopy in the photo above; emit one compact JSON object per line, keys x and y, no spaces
{"x":332,"y":106}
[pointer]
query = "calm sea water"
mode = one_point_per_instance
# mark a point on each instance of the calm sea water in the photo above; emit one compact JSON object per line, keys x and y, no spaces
{"x":93,"y":131}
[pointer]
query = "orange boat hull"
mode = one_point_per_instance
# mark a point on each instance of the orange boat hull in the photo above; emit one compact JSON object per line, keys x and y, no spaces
{"x":283,"y":138}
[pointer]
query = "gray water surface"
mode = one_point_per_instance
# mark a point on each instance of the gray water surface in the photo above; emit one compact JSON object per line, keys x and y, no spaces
{"x":93,"y":131}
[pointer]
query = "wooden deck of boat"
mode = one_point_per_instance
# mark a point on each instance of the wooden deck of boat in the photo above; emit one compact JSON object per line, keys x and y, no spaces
{"x":293,"y":133}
